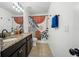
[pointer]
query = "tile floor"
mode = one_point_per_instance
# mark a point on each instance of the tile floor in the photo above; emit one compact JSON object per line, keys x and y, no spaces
{"x":41,"y":50}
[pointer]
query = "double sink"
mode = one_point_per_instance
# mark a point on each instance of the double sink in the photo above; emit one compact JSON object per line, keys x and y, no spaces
{"x":8,"y":39}
{"x":11,"y":40}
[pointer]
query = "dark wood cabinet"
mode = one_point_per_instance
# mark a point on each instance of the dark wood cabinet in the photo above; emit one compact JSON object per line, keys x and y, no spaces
{"x":29,"y":44}
{"x":15,"y":54}
{"x":20,"y":52}
{"x":20,"y":49}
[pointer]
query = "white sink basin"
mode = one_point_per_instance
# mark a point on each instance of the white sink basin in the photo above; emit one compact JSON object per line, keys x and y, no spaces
{"x":10,"y":39}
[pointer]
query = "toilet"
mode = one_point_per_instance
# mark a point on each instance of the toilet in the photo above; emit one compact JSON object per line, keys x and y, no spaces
{"x":34,"y":41}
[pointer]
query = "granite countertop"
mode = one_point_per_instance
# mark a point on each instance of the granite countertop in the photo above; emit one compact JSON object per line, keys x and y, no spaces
{"x":15,"y":39}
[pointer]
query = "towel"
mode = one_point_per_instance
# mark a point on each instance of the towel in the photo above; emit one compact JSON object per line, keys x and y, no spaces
{"x":55,"y":21}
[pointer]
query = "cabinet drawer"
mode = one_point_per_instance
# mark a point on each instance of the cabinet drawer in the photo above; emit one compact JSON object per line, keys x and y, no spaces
{"x":20,"y":52}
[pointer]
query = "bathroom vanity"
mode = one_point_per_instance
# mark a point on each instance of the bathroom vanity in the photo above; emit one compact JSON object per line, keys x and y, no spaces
{"x":18,"y":46}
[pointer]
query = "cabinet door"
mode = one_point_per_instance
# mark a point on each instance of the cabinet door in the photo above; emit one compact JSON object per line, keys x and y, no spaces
{"x":29,"y":44}
{"x":27,"y":47}
{"x":20,"y":52}
{"x":15,"y":54}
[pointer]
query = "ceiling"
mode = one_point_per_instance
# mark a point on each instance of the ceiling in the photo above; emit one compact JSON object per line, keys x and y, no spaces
{"x":36,"y":7}
{"x":32,"y":7}
{"x":8,"y":6}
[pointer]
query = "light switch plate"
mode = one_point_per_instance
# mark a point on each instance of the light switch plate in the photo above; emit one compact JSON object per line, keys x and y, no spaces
{"x":66,"y":28}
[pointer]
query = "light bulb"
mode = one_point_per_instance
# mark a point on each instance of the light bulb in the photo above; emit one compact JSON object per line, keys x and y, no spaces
{"x":17,"y":7}
{"x":18,"y":10}
{"x":13,"y":6}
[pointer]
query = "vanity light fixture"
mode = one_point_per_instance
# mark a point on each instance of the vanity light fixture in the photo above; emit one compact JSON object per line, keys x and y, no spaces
{"x":17,"y":6}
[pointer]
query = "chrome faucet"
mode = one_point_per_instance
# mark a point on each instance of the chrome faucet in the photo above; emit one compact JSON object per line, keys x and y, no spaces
{"x":3,"y":35}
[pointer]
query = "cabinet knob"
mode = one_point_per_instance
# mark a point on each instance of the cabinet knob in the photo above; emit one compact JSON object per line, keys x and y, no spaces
{"x":20,"y":51}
